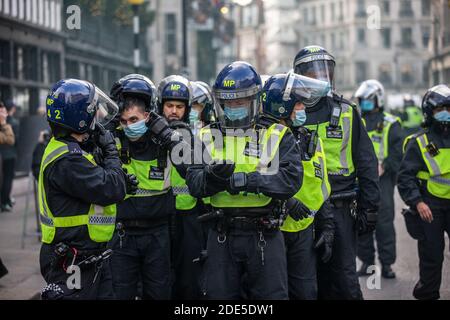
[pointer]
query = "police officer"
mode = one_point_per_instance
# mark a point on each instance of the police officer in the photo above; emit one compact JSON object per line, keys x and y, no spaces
{"x":77,"y":195}
{"x":245,"y":247}
{"x":386,"y":133}
{"x":202,"y":112}
{"x":424,"y":185}
{"x":350,"y":156}
{"x":284,"y":100}
{"x":412,"y":116}
{"x":141,"y":242}
{"x":174,"y":104}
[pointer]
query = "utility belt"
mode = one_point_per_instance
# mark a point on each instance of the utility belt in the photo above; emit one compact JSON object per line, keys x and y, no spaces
{"x":141,"y":223}
{"x":258,"y":219}
{"x":82,"y":258}
{"x":345,"y":198}
{"x":340,"y":199}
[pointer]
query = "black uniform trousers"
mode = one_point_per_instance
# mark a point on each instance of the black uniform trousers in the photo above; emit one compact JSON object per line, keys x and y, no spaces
{"x":245,"y":261}
{"x":431,"y":254}
{"x":337,"y":279}
{"x":301,"y":264}
{"x":188,"y":240}
{"x":384,"y":232}
{"x":141,"y":255}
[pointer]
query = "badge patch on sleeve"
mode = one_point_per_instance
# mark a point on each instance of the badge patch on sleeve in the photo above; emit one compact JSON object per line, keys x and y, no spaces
{"x":156,"y":173}
{"x":334,"y":133}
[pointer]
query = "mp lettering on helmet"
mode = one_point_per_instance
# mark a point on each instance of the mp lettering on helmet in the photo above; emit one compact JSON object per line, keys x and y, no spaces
{"x":229,"y":83}
{"x":314,"y":49}
{"x":175,"y":87}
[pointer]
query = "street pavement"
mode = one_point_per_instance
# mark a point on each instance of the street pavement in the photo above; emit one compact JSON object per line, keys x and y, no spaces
{"x":24,"y":280}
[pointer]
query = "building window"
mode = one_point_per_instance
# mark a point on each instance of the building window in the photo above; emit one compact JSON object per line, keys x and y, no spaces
{"x":425,"y":74}
{"x":425,"y":36}
{"x":333,"y":41}
{"x":333,"y":11}
{"x":405,"y":8}
{"x":407,"y":40}
{"x":361,"y":9}
{"x":72,"y":69}
{"x":361,"y":35}
{"x":171,"y":33}
{"x":386,"y":37}
{"x":51,"y":71}
{"x":386,"y":7}
{"x":407,"y":74}
{"x":360,"y":71}
{"x":384,"y":73}
{"x":305,"y":16}
{"x":426,"y":7}
{"x":5,"y":59}
{"x":322,"y":13}
{"x":313,"y":16}
{"x":341,"y":11}
{"x":26,"y":62}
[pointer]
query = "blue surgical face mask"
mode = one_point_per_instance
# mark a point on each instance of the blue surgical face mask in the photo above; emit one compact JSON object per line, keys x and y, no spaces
{"x":442,"y":116}
{"x":236,"y":113}
{"x":367,"y":105}
{"x":136,"y":130}
{"x":194,"y":116}
{"x":300,"y":118}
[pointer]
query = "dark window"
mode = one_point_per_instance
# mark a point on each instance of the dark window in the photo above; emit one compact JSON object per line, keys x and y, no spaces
{"x":361,"y":71}
{"x":333,"y":11}
{"x":425,"y":36}
{"x":361,"y":9}
{"x":72,"y":69}
{"x":405,"y":8}
{"x":407,"y":40}
{"x":25,"y":62}
{"x":386,"y":7}
{"x":425,"y":74}
{"x":171,"y":33}
{"x":313,"y":14}
{"x":385,"y":73}
{"x":51,"y":71}
{"x":426,"y":7}
{"x":407,"y":74}
{"x":386,"y":37}
{"x":361,"y":36}
{"x":5,"y":59}
{"x":341,"y":11}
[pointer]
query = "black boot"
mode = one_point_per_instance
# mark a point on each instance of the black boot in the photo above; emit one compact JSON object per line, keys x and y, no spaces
{"x":387,"y":272}
{"x":3,"y":270}
{"x":363,"y":270}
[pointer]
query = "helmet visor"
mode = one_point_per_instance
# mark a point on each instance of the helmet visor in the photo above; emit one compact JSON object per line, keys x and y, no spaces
{"x":365,"y":91}
{"x":306,"y":90}
{"x":237,"y":113}
{"x":105,"y":108}
{"x":317,"y":69}
{"x":200,"y":95}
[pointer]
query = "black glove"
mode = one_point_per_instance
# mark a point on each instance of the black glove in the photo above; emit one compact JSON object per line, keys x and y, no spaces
{"x":175,"y":124}
{"x":104,"y":139}
{"x":366,"y":221}
{"x":131,"y":182}
{"x":221,"y":172}
{"x":161,"y":130}
{"x":296,"y":209}
{"x":325,"y":230}
{"x":238,"y":183}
